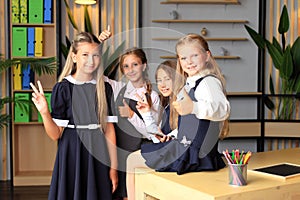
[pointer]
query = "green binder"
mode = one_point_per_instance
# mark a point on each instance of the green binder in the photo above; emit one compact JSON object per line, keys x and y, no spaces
{"x":19,"y":41}
{"x":48,"y":98}
{"x":35,"y":11}
{"x":15,"y":11}
{"x":23,"y":11}
{"x":22,"y":112}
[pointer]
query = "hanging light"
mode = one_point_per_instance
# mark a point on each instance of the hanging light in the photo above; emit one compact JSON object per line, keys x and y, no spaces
{"x":85,"y":2}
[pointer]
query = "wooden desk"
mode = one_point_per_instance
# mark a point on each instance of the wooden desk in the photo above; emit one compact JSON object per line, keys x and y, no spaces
{"x":214,"y":185}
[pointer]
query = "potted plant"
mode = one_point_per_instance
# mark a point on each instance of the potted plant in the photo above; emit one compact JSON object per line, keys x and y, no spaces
{"x":37,"y":65}
{"x":286,"y":59}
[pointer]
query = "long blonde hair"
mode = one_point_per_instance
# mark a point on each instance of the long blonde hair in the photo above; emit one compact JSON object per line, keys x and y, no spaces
{"x":70,"y":68}
{"x":169,"y":67}
{"x":211,"y":68}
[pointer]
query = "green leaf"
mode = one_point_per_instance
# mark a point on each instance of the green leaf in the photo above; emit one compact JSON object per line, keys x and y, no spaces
{"x":284,"y":21}
{"x":275,"y":55}
{"x":269,"y":103}
{"x":64,"y":50}
{"x":296,"y":55}
{"x":22,"y":104}
{"x":286,"y":69}
{"x":4,"y":119}
{"x":271,"y":85}
{"x":70,"y":16}
{"x":258,"y":39}
{"x":297,"y":84}
{"x":87,"y":21}
{"x":276,"y":44}
{"x":111,"y":62}
{"x":38,"y":65}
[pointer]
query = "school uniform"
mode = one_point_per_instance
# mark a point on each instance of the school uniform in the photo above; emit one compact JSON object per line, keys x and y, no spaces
{"x":81,"y":169}
{"x":196,"y":145}
{"x":130,"y":132}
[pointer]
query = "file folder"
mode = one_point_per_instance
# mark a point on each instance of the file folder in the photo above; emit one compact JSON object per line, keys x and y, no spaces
{"x":15,"y":11}
{"x":17,"y":77}
{"x":48,"y":98}
{"x":23,"y":11}
{"x":19,"y":41}
{"x":27,"y":77}
{"x":48,"y":11}
{"x":38,"y":47}
{"x":22,"y":114}
{"x":35,"y":11}
{"x":30,"y":41}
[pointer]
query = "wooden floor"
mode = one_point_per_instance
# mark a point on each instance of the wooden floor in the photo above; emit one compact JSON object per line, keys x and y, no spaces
{"x":7,"y":192}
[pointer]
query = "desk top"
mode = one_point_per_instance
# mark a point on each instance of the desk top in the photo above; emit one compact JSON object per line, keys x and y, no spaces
{"x":214,"y":185}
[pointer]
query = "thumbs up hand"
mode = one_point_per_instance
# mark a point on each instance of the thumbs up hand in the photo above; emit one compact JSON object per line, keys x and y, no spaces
{"x":105,"y":34}
{"x":125,"y":110}
{"x":184,"y":105}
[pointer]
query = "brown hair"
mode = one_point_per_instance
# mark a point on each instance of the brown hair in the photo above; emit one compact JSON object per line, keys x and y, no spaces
{"x":138,"y":52}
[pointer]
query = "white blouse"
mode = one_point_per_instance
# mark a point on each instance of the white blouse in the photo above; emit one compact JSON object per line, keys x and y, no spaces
{"x":211,"y":103}
{"x":130,"y":93}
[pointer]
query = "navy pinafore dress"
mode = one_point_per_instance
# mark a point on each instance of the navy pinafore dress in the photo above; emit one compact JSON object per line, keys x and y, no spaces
{"x":195,"y":149}
{"x":81,"y":169}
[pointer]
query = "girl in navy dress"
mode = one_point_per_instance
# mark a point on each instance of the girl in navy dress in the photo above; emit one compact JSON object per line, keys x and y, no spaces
{"x":202,"y":107}
{"x":86,"y":161}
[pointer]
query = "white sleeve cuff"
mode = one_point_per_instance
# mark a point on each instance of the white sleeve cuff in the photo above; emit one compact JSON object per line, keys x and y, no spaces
{"x":112,"y":119}
{"x":195,"y":108}
{"x":61,"y":122}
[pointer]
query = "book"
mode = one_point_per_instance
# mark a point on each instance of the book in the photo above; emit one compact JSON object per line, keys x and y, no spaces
{"x":281,"y":170}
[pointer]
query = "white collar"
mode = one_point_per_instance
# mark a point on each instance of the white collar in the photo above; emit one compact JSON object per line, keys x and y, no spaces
{"x":130,"y":88}
{"x":74,"y":81}
{"x":191,"y":81}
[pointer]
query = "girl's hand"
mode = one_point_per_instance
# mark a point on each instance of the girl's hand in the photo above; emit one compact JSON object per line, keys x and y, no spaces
{"x":105,"y":34}
{"x":125,"y":111}
{"x":162,"y":137}
{"x":142,"y":104}
{"x":185,"y":105}
{"x":165,"y":138}
{"x":39,"y":99}
{"x":113,"y":174}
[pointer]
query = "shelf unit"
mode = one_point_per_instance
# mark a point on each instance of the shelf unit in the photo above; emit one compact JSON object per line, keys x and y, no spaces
{"x":231,"y":57}
{"x":239,"y":128}
{"x":33,"y":152}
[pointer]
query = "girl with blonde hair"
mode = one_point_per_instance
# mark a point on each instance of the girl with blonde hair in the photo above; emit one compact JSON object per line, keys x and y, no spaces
{"x":86,"y":160}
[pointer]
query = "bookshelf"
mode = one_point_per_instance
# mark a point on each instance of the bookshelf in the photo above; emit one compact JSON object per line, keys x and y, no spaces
{"x":32,"y":34}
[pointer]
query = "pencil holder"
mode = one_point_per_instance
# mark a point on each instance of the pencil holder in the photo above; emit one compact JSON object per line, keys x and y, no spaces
{"x":237,"y":174}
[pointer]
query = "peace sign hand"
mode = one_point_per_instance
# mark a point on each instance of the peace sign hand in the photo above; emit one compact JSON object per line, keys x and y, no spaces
{"x":142,"y":104}
{"x":39,"y":99}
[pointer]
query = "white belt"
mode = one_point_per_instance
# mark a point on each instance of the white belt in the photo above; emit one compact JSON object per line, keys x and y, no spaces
{"x":89,"y":126}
